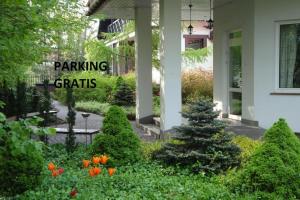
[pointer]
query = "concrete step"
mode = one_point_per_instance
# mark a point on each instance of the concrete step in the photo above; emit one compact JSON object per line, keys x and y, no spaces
{"x":150,"y":130}
{"x":156,"y":121}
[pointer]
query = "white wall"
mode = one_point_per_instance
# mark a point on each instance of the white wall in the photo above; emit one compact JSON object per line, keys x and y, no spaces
{"x":228,"y":17}
{"x":268,"y":108}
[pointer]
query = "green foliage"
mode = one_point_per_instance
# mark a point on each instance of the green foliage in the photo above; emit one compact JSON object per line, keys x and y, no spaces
{"x":197,"y":55}
{"x":149,"y":148}
{"x":115,"y":121}
{"x":92,"y":107}
{"x":247,"y":145}
{"x":122,"y":94}
{"x":117,"y":138}
{"x":275,"y":165}
{"x":21,"y":100}
{"x":45,"y":107}
{"x":70,"y":139}
{"x":196,"y":83}
{"x":96,"y":50}
{"x":29,"y":31}
{"x":102,"y":93}
{"x":21,"y":159}
{"x":8,"y":97}
{"x":137,"y":181}
{"x":203,"y":146}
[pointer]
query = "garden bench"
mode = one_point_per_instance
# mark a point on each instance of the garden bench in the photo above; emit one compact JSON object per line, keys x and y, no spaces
{"x":34,"y":114}
{"x":86,"y":132}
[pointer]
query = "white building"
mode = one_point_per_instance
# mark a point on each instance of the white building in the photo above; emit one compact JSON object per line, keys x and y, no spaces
{"x":256,"y":56}
{"x":257,"y":60}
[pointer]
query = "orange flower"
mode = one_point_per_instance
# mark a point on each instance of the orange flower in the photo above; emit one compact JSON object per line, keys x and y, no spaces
{"x":85,"y":163}
{"x":97,"y":170}
{"x":91,"y":172}
{"x":55,"y":173}
{"x":51,"y":166}
{"x":104,"y":159}
{"x":111,"y":171}
{"x":96,"y":160}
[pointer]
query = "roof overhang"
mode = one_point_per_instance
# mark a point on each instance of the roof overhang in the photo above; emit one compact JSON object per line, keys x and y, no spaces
{"x":124,"y":9}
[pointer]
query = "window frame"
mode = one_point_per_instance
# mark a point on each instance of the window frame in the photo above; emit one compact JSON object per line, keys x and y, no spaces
{"x":278,"y":89}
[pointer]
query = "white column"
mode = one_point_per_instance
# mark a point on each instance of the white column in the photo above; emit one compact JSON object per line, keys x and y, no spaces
{"x":170,"y":59}
{"x":143,"y":62}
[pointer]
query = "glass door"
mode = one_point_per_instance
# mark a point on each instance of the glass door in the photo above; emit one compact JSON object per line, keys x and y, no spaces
{"x":235,"y":75}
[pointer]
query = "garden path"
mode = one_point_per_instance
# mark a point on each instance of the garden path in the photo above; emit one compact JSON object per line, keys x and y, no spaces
{"x":94,"y":122}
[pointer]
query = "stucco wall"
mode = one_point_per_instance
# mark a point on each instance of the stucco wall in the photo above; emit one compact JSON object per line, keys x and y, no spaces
{"x":228,"y":17}
{"x":268,"y":108}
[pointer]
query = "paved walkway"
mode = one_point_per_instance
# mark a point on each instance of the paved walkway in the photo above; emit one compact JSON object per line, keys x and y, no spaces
{"x":94,"y":122}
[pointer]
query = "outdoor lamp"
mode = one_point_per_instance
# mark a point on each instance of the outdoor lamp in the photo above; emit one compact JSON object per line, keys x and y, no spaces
{"x":190,"y":27}
{"x":85,"y":116}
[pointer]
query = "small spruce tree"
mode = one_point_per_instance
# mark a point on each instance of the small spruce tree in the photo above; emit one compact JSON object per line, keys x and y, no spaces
{"x":122,"y":94}
{"x":201,"y":145}
{"x":70,"y":139}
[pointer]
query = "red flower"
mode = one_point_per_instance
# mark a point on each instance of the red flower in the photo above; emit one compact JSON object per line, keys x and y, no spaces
{"x":60,"y":171}
{"x":73,"y":193}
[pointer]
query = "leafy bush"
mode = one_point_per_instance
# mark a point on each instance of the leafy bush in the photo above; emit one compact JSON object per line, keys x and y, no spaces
{"x":102,"y":108}
{"x":196,"y":83}
{"x":247,"y":145}
{"x":275,"y":165}
{"x":204,"y":146}
{"x":101,"y":93}
{"x":117,"y":139}
{"x":93,"y":107}
{"x":21,"y":159}
{"x":148,"y":148}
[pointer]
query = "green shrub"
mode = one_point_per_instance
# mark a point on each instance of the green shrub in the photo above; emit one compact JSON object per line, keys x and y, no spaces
{"x":117,"y":139}
{"x":21,"y":160}
{"x":102,"y":92}
{"x":115,"y":121}
{"x":247,"y":145}
{"x":204,"y":146}
{"x":195,"y":84}
{"x":275,"y":165}
{"x":148,"y":148}
{"x":93,"y":107}
{"x":122,"y":94}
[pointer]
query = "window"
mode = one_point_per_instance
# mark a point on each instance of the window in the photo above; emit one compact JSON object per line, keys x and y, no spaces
{"x":289,"y":56}
{"x":195,"y":41}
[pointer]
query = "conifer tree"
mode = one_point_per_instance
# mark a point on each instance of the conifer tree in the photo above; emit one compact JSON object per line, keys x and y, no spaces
{"x":202,"y":144}
{"x":45,"y":107}
{"x":21,"y":100}
{"x":70,"y":139}
{"x":122,"y":94}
